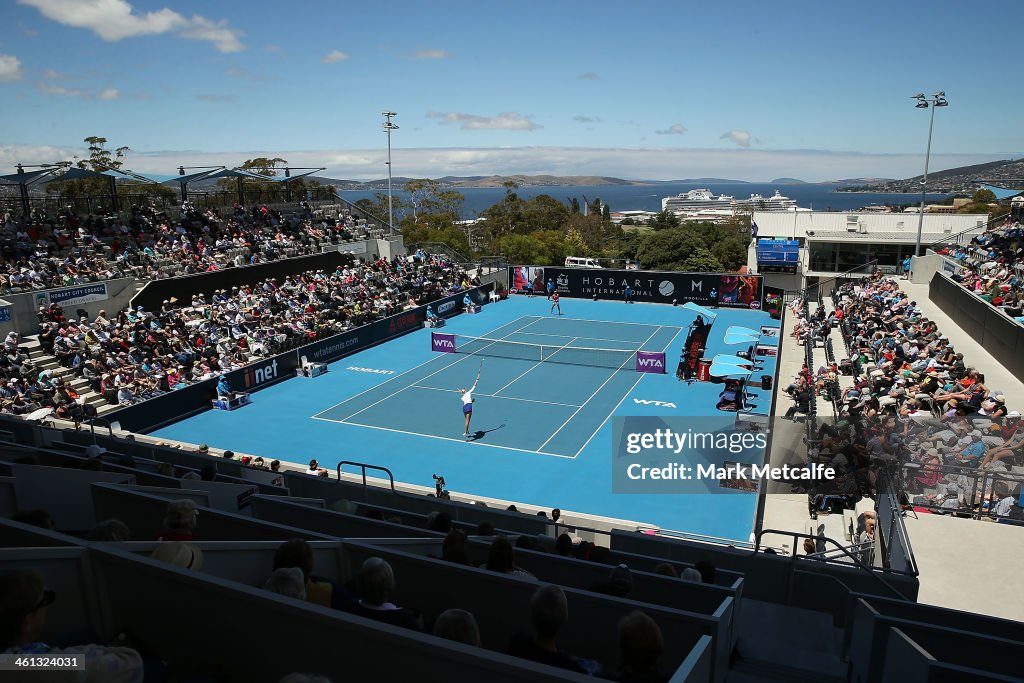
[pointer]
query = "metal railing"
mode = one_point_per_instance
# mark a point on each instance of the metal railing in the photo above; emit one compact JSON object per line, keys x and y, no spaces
{"x":363,"y":466}
{"x":840,"y":550}
{"x":965,"y":236}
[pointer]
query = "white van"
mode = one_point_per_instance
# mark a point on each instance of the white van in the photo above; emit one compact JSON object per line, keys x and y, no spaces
{"x":581,"y":262}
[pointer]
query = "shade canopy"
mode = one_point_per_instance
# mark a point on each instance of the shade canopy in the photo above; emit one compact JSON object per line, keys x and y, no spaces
{"x":725,"y":370}
{"x":700,"y":310}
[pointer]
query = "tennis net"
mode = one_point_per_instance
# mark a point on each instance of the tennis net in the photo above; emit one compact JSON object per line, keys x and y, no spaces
{"x":501,"y":348}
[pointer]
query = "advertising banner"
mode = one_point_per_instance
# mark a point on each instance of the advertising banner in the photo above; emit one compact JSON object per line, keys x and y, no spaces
{"x":78,"y":295}
{"x":442,"y":343}
{"x":772,"y":302}
{"x":650,"y":361}
{"x":703,"y":289}
{"x":5,"y":314}
{"x":523,"y":279}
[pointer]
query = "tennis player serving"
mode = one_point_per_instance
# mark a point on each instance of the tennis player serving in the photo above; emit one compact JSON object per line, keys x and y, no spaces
{"x":467,"y":399}
{"x":556,"y":303}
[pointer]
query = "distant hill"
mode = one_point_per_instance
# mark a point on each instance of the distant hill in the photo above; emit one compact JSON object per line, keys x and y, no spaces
{"x":847,"y":182}
{"x":457,"y":182}
{"x":788,"y":181}
{"x":962,"y":180}
{"x":708,"y":181}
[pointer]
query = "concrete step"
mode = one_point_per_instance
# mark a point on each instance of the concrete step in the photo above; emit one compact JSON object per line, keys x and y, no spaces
{"x":782,"y":643}
{"x":105,"y":408}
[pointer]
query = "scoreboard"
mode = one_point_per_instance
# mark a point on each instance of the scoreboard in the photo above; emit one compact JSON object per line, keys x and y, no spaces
{"x":778,"y":256}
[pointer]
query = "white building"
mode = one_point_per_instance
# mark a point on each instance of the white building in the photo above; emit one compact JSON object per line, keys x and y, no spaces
{"x":836,"y":242}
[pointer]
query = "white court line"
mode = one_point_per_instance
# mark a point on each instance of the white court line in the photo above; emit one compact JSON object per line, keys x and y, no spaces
{"x":624,"y":397}
{"x":596,"y":392}
{"x":566,"y":336}
{"x":464,"y":357}
{"x":507,"y":398}
{"x":446,"y":438}
{"x":612,"y":322}
{"x":430,"y":360}
{"x":534,"y":366}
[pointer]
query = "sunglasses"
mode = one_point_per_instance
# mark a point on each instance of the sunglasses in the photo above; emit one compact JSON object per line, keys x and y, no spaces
{"x":48,"y":598}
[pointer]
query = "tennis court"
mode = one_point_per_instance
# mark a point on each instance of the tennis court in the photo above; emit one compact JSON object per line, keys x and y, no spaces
{"x":583,"y":370}
{"x":541,"y":430}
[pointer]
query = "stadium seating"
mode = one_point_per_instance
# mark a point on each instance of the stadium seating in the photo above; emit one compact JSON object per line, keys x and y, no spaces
{"x":765,"y":617}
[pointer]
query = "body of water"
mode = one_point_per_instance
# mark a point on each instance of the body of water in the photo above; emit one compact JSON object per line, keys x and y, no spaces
{"x":648,"y":197}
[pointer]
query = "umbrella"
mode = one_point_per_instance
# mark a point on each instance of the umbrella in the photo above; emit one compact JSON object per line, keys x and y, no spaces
{"x":700,"y":310}
{"x":726,"y":370}
{"x":733,"y":360}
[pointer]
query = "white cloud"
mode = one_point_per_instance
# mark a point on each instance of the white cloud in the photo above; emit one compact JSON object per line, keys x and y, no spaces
{"x":674,"y":129}
{"x":636,"y":163}
{"x":588,"y":76}
{"x":740,"y":137}
{"x":430,"y":54}
{"x":580,"y":118}
{"x":52,"y":75}
{"x":507,"y":120}
{"x":216,"y":99}
{"x":80,"y":93}
{"x":64,"y":92}
{"x":10,"y":68}
{"x":334,"y":56}
{"x":114,"y":20}
{"x":272,"y":48}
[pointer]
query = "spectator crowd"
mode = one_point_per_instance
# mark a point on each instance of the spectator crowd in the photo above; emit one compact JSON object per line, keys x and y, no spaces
{"x":133,"y":355}
{"x":915,"y":409}
{"x":993,"y":267}
{"x":43,"y":251}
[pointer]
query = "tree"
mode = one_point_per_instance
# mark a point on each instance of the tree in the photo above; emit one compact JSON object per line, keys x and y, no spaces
{"x":664,"y":219}
{"x":983,"y":196}
{"x":574,"y":205}
{"x":667,"y":249}
{"x":606,"y":212}
{"x":103,"y":159}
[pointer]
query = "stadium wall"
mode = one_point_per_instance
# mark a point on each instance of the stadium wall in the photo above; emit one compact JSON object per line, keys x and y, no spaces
{"x":663,"y":287}
{"x":19,"y":312}
{"x":182,"y":403}
{"x":156,"y":291}
{"x":1001,"y":336}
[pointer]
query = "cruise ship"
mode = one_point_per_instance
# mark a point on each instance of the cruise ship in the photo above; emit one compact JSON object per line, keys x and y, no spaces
{"x":777,"y":202}
{"x":704,"y":199}
{"x":695,"y":200}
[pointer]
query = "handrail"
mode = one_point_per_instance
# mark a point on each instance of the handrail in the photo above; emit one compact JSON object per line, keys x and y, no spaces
{"x":984,"y":229}
{"x":796,"y":535}
{"x":451,"y":251}
{"x":851,"y":271}
{"x":363,"y":467}
{"x":380,"y":221}
{"x":92,"y":426}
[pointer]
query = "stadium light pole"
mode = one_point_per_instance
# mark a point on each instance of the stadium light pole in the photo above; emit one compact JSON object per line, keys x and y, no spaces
{"x":388,"y":127}
{"x":938,"y":100}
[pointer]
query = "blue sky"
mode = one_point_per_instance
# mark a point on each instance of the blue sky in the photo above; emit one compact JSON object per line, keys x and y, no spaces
{"x":747,"y":90}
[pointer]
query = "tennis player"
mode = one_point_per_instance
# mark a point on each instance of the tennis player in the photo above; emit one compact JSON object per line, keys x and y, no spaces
{"x":467,"y":399}
{"x":555,"y":303}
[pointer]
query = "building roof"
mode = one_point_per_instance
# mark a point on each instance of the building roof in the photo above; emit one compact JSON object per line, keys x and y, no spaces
{"x":905,"y":237}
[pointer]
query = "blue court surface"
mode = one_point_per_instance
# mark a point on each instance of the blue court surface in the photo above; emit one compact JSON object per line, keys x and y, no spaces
{"x":540,"y":432}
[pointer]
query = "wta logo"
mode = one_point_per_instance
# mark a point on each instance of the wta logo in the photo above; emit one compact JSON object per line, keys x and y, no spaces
{"x":442,"y":343}
{"x":650,"y":361}
{"x":647,"y":402}
{"x":258,"y":375}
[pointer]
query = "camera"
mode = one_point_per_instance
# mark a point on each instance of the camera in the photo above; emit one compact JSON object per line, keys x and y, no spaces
{"x":439,"y":486}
